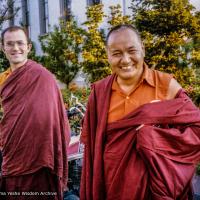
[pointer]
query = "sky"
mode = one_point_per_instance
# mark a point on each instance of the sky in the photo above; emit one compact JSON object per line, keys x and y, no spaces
{"x":196,"y":3}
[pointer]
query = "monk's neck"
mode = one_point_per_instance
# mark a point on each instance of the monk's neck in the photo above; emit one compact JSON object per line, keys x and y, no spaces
{"x":128,"y":85}
{"x":18,"y":65}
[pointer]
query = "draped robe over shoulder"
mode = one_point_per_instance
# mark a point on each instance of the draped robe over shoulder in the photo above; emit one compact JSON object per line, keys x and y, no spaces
{"x":155,"y":162}
{"x":34,"y":130}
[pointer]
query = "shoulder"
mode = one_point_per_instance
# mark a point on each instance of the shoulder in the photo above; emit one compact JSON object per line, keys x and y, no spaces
{"x":39,"y":69}
{"x":162,"y":77}
{"x":161,"y":81}
{"x":157,"y":78}
{"x":38,"y":74}
{"x":168,"y":85}
{"x":34,"y":66}
{"x":103,"y":83}
{"x":173,"y":89}
{"x":4,"y":75}
{"x":100,"y":90}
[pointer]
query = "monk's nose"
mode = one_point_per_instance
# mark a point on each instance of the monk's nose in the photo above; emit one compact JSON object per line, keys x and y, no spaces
{"x":126,"y":58}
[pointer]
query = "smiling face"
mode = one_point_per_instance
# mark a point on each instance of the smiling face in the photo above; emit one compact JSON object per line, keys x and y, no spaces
{"x":126,"y":54}
{"x":16,"y":48}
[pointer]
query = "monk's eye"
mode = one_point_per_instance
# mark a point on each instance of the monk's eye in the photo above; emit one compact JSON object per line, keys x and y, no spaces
{"x":116,"y":54}
{"x":132,"y":51}
{"x":12,"y":44}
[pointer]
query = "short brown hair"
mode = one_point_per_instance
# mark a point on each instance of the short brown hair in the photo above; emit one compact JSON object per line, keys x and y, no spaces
{"x":12,"y":29}
{"x":120,"y":27}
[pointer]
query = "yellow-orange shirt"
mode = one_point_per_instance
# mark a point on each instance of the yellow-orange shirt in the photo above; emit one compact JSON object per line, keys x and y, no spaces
{"x":153,"y":86}
{"x":5,"y":75}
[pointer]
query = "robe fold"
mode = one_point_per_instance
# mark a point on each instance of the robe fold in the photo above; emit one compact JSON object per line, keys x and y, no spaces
{"x":155,"y":162}
{"x":34,"y":130}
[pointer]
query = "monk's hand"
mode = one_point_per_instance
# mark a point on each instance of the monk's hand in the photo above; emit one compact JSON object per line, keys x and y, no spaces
{"x":154,"y":101}
{"x":139,"y":127}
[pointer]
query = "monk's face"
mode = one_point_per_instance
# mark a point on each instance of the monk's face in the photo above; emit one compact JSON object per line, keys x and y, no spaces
{"x":16,"y":48}
{"x":125,"y":54}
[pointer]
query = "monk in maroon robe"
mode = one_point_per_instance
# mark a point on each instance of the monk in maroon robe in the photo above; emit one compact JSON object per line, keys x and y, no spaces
{"x":151,"y":151}
{"x":34,"y":130}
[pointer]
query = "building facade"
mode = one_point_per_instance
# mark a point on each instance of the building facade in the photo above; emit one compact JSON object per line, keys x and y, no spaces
{"x":40,"y":16}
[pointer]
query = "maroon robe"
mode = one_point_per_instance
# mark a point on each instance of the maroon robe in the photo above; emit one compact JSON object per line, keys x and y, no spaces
{"x":155,"y":162}
{"x":34,"y":130}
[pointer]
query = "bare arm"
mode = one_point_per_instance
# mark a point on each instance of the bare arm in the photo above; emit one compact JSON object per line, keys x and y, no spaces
{"x":174,"y":87}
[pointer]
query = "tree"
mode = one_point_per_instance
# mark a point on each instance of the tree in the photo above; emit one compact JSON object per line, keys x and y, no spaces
{"x":62,"y":49}
{"x":7,"y":11}
{"x":116,"y":17}
{"x":170,"y":30}
{"x":95,"y":63}
{"x":196,"y":43}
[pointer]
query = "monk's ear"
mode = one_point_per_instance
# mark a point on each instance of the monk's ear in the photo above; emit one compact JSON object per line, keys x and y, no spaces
{"x":2,"y":48}
{"x":143,"y":49}
{"x":106,"y":50}
{"x":108,"y":54}
{"x":29,"y":47}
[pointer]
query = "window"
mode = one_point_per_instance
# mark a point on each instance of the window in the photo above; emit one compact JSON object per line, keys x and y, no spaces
{"x":25,"y":14}
{"x":65,"y":9}
{"x":43,"y":11}
{"x":93,"y":2}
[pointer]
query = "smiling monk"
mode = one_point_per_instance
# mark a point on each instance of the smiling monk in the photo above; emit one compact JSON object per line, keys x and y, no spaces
{"x":34,"y":131}
{"x":141,"y":131}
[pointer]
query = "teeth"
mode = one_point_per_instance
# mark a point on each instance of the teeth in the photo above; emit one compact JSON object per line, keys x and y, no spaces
{"x":129,"y":67}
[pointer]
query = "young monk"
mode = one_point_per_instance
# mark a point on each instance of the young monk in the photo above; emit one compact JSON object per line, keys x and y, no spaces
{"x":34,"y":131}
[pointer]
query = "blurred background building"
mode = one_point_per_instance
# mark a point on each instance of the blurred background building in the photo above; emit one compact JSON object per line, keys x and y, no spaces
{"x":40,"y":16}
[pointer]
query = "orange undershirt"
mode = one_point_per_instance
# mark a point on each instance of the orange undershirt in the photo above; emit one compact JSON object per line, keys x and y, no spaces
{"x":153,"y":86}
{"x":5,"y":75}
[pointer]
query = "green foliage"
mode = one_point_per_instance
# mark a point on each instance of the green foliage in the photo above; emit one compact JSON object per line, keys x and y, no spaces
{"x":198,"y":169}
{"x":163,"y":17}
{"x":62,"y":49}
{"x":80,"y":96}
{"x":4,"y":64}
{"x":116,"y":16}
{"x":171,"y":32}
{"x":81,"y":93}
{"x":95,"y":63}
{"x":73,"y":97}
